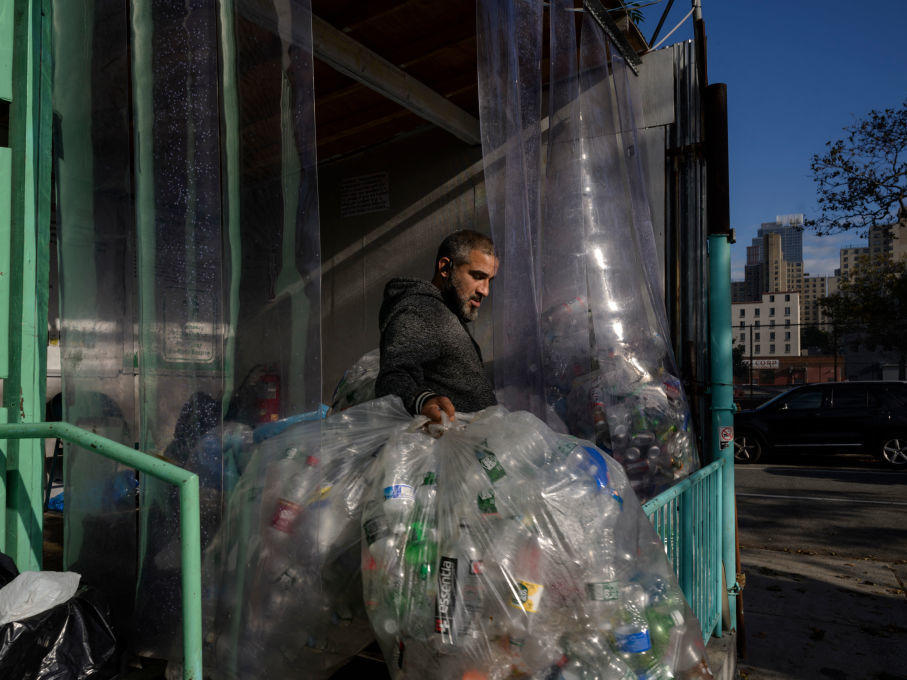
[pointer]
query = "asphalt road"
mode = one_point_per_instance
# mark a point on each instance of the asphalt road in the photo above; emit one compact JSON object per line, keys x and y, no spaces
{"x":824,"y":550}
{"x":835,"y":505}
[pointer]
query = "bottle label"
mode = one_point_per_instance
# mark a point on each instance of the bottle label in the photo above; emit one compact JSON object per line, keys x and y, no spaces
{"x":528,"y":596}
{"x":476,"y":568}
{"x":375,"y":529}
{"x":402,"y":491}
{"x":285,"y":515}
{"x":446,"y":601}
{"x":602,"y":591}
{"x":633,"y":641}
{"x":485,"y":501}
{"x":490,"y":463}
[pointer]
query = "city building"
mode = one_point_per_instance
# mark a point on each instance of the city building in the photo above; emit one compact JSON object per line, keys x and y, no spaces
{"x":850,"y":258}
{"x":790,"y":229}
{"x":890,"y":238}
{"x":770,"y":327}
{"x":774,"y":260}
{"x":813,"y":290}
{"x":738,"y":291}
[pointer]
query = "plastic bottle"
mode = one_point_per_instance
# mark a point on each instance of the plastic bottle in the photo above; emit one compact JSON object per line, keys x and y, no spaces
{"x":633,"y":638}
{"x":460,"y":598}
{"x":421,"y":559}
{"x":532,"y":632}
{"x":666,"y":614}
{"x":397,"y":488}
{"x":599,"y":417}
{"x":284,"y":516}
{"x":604,"y":578}
{"x":382,"y":540}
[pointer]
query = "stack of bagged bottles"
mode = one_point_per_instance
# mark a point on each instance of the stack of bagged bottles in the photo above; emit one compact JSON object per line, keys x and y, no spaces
{"x":504,"y":550}
{"x":625,"y":399}
{"x":281,"y":579}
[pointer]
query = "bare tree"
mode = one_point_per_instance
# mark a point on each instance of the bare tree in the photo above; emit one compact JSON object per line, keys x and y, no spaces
{"x":862,"y":179}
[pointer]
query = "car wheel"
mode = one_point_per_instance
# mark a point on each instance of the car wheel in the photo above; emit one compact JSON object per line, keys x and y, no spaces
{"x":748,"y":447}
{"x":893,"y":451}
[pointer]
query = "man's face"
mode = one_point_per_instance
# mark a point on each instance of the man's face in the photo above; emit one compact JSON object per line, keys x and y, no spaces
{"x":467,"y":284}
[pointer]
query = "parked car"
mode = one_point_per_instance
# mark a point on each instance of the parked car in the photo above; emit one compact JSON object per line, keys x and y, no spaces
{"x":843,"y":416}
{"x":751,"y":396}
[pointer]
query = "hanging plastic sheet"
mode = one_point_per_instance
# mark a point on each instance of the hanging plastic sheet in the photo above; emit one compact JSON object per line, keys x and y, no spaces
{"x":190,"y":279}
{"x":181,"y":272}
{"x":638,"y":408}
{"x":96,"y":277}
{"x":608,"y":370}
{"x":510,"y":85}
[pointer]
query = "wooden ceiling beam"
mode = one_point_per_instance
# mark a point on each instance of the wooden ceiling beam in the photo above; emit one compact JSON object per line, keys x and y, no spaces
{"x":356,"y":61}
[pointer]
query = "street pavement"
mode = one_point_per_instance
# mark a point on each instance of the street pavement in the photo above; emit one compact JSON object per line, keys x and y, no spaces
{"x":824,"y":549}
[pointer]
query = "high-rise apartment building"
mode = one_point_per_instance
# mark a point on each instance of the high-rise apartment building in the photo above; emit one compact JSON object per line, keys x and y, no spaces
{"x":814,"y":289}
{"x":790,"y":228}
{"x":774,"y":260}
{"x":851,"y":258}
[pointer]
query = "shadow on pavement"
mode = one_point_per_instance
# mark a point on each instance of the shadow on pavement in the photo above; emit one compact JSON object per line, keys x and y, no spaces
{"x":836,"y":626}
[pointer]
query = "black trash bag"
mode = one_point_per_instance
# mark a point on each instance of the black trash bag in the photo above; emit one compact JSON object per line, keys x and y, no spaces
{"x":8,"y":569}
{"x":72,"y":641}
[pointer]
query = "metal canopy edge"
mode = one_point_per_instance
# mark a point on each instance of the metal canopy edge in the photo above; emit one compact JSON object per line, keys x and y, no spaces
{"x":600,"y":14}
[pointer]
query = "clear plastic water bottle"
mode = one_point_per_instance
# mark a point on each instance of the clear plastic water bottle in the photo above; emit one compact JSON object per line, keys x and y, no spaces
{"x":383,"y":540}
{"x":460,"y":598}
{"x":472,"y":584}
{"x":633,"y":638}
{"x":285,"y":513}
{"x":421,"y":559}
{"x":397,"y":488}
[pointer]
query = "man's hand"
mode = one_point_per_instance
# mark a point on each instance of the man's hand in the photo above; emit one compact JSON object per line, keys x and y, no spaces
{"x":433,"y":408}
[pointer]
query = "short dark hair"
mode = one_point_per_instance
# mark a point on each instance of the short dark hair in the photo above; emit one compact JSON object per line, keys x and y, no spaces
{"x":459,"y":244}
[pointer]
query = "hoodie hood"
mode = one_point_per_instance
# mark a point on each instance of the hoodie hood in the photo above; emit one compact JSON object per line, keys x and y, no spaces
{"x":402,"y":291}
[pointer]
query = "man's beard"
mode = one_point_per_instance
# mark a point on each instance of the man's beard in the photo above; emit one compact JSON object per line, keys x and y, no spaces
{"x":462,"y":308}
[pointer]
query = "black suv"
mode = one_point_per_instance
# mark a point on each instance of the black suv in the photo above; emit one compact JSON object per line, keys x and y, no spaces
{"x":869,"y":416}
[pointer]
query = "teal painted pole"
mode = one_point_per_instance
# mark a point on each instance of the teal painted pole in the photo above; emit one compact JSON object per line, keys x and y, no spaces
{"x":190,"y":530}
{"x":723,"y":404}
{"x":29,"y":237}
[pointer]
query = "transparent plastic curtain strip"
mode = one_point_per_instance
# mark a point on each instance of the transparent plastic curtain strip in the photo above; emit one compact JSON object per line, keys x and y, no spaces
{"x":189,"y":267}
{"x":580,"y":328}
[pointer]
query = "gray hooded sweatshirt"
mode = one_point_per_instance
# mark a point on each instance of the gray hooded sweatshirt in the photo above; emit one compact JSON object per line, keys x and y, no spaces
{"x":426,"y":350}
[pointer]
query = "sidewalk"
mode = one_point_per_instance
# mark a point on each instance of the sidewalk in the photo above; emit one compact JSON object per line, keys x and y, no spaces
{"x":820,"y":616}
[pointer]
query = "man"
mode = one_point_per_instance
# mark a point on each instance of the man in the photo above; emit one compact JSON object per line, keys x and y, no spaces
{"x":428,"y":357}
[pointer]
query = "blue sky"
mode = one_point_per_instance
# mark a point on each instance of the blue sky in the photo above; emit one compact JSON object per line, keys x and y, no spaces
{"x":797,"y":72}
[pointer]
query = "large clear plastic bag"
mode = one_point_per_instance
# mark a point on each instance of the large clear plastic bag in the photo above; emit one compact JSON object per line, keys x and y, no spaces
{"x":504,"y":550}
{"x":358,"y":382}
{"x":286,"y":562}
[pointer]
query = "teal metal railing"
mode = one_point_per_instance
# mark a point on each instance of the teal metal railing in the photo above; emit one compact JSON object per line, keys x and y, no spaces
{"x":190,"y":531}
{"x":688,"y":517}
